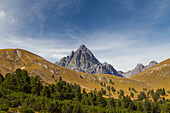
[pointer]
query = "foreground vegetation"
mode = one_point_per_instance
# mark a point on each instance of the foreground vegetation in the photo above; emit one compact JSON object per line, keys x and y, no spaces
{"x":19,"y":92}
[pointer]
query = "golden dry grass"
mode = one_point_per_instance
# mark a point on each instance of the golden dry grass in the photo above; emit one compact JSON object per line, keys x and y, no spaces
{"x":11,"y":59}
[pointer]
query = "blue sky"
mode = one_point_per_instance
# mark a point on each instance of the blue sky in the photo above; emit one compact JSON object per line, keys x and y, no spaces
{"x":120,"y":32}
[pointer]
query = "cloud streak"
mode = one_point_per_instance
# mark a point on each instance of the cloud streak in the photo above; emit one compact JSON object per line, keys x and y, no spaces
{"x":2,"y":14}
{"x":123,"y":33}
{"x":49,"y":49}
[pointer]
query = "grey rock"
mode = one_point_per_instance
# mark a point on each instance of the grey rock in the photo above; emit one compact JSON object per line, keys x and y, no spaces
{"x":83,"y":60}
{"x":139,"y":68}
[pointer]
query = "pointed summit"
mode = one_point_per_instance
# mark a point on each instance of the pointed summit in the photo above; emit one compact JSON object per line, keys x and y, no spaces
{"x":139,"y":68}
{"x":83,"y":60}
{"x":82,"y":47}
{"x":153,"y":62}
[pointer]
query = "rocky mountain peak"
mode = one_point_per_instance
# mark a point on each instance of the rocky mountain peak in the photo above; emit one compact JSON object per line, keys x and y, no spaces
{"x":83,"y":60}
{"x":153,"y":62}
{"x":139,"y":68}
{"x":82,"y":47}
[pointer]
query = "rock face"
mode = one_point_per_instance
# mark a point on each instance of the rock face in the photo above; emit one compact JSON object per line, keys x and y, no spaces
{"x":139,"y":68}
{"x":83,"y":60}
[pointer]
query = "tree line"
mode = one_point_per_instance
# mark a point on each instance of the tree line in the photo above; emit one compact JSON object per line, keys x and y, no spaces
{"x":19,"y":92}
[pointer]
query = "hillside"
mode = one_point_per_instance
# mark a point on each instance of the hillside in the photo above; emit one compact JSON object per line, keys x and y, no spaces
{"x":158,"y":76}
{"x":11,"y":59}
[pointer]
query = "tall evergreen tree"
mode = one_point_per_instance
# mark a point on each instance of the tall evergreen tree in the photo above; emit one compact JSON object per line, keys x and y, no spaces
{"x":100,"y":100}
{"x":147,"y":106}
{"x":1,"y":79}
{"x":45,"y":92}
{"x":10,"y":82}
{"x":84,"y":91}
{"x":108,"y":88}
{"x":132,"y":94}
{"x":36,"y":85}
{"x":23,"y":80}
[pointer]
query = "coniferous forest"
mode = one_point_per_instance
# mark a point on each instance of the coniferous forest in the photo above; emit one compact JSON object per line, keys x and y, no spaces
{"x":21,"y":93}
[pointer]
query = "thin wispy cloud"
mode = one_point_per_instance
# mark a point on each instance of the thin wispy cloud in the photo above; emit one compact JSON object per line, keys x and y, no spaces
{"x":2,"y":14}
{"x":46,"y":48}
{"x":123,"y":33}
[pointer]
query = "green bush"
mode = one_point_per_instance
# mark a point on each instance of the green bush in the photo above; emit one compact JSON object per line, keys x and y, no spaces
{"x":4,"y":108}
{"x":25,"y":109}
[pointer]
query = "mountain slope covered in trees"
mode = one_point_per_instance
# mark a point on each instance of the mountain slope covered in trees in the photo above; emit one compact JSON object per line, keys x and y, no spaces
{"x":24,"y":94}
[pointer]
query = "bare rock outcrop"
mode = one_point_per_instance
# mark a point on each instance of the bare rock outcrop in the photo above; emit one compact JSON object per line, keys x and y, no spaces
{"x":83,"y":60}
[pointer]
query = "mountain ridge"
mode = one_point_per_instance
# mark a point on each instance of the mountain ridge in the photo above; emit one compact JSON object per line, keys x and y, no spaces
{"x":138,"y":69}
{"x":83,"y":60}
{"x":158,"y":75}
{"x":12,"y":59}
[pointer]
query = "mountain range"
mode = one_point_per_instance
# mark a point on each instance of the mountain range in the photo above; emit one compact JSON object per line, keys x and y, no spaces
{"x":83,"y":60}
{"x":12,"y":59}
{"x":139,"y":68}
{"x":157,"y":76}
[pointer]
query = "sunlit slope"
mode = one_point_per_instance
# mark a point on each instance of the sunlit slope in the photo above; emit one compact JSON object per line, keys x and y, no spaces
{"x":11,"y":59}
{"x":157,"y":76}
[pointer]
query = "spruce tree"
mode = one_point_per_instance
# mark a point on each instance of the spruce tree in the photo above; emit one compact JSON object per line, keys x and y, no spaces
{"x":1,"y":79}
{"x":101,"y":83}
{"x":45,"y":92}
{"x":147,"y":106}
{"x":100,"y":100}
{"x":36,"y":85}
{"x":10,"y":82}
{"x":84,"y":91}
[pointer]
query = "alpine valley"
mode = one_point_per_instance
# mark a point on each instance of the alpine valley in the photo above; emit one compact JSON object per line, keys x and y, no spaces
{"x":83,"y":68}
{"x":79,"y":83}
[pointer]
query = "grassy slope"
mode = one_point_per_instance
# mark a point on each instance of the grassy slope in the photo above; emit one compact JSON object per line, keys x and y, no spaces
{"x":11,"y":59}
{"x":157,"y":76}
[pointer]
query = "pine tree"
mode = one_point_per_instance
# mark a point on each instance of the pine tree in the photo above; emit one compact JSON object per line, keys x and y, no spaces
{"x":139,"y":107}
{"x":1,"y":79}
{"x":100,"y":100}
{"x":113,"y":90}
{"x":156,"y":108}
{"x":45,"y":92}
{"x":129,"y":88}
{"x":36,"y":85}
{"x":60,"y":79}
{"x":121,"y":93}
{"x":101,"y":83}
{"x":167,"y":107}
{"x":141,"y":96}
{"x":132,"y":94}
{"x":53,"y":76}
{"x":111,"y":82}
{"x":52,"y":88}
{"x":10,"y":82}
{"x":163,"y":92}
{"x":104,"y":85}
{"x":108,"y":88}
{"x":84,"y":91}
{"x":23,"y":80}
{"x":147,"y":106}
{"x":18,"y":81}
